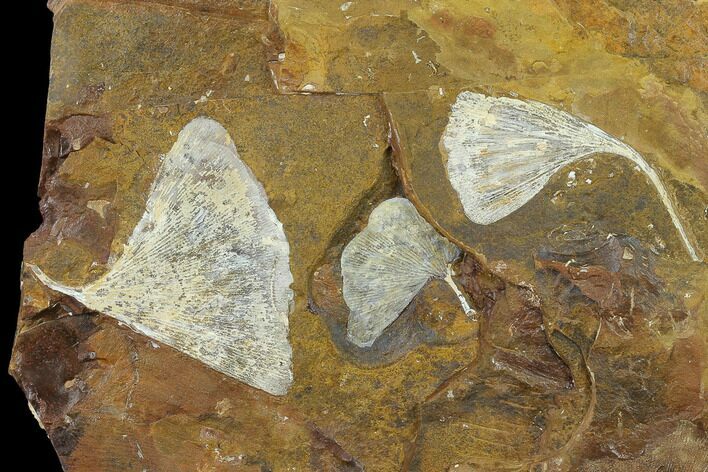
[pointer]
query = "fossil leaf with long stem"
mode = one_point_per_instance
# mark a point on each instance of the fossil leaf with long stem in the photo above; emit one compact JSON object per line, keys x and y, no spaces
{"x":388,"y":263}
{"x":206,"y":270}
{"x":502,"y":151}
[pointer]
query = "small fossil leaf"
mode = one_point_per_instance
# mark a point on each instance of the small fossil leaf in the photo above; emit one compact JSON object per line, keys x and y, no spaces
{"x":387,"y":264}
{"x":206,"y":270}
{"x":502,"y":151}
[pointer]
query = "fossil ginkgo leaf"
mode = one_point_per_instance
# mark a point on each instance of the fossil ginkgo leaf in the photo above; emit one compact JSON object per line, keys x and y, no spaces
{"x":502,"y":151}
{"x":387,"y":264}
{"x":206,"y":269}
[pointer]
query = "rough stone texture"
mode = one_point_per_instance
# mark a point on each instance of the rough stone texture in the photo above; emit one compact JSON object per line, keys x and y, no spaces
{"x":589,"y":351}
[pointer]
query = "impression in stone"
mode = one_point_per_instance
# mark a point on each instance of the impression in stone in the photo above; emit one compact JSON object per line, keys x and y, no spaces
{"x":206,"y":270}
{"x":388,"y":263}
{"x":502,"y":151}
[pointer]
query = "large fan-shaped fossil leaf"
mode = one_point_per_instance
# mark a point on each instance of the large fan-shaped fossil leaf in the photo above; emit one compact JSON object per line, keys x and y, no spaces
{"x":502,"y":151}
{"x":387,"y":264}
{"x":206,"y":270}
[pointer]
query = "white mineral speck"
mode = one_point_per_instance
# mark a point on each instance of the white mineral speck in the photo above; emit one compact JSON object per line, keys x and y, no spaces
{"x":571,"y":179}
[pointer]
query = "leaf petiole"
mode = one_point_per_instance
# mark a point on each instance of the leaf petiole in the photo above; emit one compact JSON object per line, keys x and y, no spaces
{"x":460,"y":296}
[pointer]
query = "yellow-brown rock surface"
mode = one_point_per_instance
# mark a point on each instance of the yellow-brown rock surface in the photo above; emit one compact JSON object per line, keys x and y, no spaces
{"x":336,"y":106}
